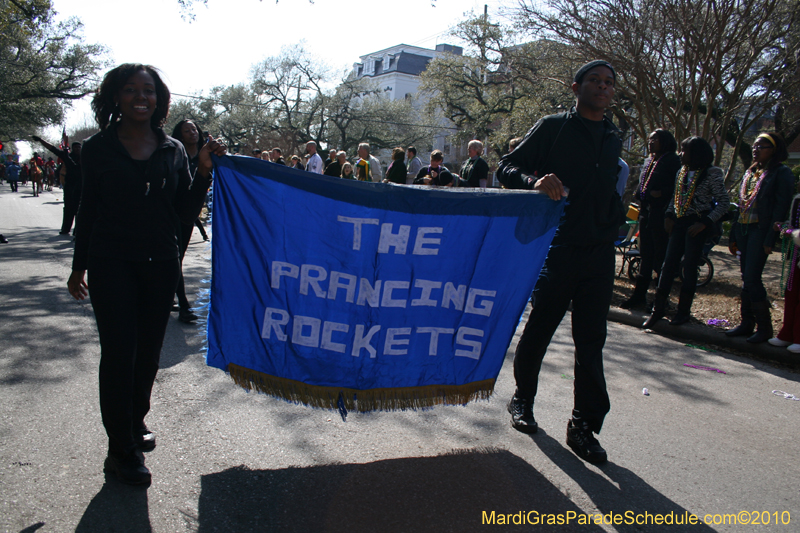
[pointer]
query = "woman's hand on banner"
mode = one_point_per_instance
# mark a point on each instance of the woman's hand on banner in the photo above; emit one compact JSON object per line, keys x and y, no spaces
{"x":213,"y":146}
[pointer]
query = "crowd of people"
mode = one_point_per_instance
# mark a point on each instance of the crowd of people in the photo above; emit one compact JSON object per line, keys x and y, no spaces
{"x":406,"y":168}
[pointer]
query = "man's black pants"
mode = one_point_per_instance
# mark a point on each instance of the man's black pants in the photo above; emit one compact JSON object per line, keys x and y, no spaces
{"x":583,"y":275}
{"x":132,"y":303}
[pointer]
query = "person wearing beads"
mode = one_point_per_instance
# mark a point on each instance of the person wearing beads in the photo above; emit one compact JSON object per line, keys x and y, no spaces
{"x":699,"y":201}
{"x":656,"y":187}
{"x":789,"y":335}
{"x":764,"y":198}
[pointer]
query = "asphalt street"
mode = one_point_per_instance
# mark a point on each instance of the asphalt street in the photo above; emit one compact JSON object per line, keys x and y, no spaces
{"x":702,"y":442}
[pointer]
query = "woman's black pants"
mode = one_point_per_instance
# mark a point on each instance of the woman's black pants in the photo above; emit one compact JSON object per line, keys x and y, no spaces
{"x":690,"y":249}
{"x":132,"y":301}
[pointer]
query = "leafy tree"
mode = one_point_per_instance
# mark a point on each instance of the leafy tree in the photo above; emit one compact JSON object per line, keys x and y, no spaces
{"x":498,"y":89}
{"x":45,"y":65}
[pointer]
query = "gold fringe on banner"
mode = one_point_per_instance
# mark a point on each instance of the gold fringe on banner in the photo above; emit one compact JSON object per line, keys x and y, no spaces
{"x":361,"y":400}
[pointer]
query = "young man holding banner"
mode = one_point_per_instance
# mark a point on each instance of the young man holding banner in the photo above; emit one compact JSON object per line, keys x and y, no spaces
{"x":573,"y":154}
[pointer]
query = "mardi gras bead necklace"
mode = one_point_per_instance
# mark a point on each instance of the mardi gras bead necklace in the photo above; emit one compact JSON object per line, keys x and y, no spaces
{"x":648,"y":172}
{"x":748,"y":192}
{"x":683,"y":193}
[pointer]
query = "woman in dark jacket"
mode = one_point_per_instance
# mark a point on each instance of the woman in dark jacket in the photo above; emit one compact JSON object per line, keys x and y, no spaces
{"x":656,"y":185}
{"x":396,"y":173}
{"x":699,"y":201}
{"x":764,"y":199}
{"x":136,"y":190}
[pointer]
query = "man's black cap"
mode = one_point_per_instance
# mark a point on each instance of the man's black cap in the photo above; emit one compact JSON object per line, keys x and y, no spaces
{"x":592,"y":64}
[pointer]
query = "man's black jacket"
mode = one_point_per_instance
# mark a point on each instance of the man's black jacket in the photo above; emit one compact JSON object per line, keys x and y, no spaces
{"x":562,"y":145}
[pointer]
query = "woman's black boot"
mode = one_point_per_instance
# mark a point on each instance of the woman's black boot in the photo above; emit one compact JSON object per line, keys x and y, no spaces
{"x":658,"y":309}
{"x":763,"y":321}
{"x":639,"y":296}
{"x":748,"y":324}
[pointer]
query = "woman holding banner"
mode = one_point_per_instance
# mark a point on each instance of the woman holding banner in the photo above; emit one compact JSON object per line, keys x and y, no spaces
{"x":136,"y":188}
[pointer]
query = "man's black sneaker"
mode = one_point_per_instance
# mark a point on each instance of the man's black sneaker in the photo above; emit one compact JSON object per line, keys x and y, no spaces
{"x":129,"y":468}
{"x":583,"y":443}
{"x":521,"y":410}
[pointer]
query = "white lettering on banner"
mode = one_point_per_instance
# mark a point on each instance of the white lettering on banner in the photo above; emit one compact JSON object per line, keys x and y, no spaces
{"x":486,"y":305}
{"x":315,"y":333}
{"x":327,"y":333}
{"x":392,"y":342}
{"x":349,"y":287}
{"x":475,"y":352}
{"x":361,"y":341}
{"x":383,"y":293}
{"x":435,"y":332}
{"x":357,"y":223}
{"x":399,"y":240}
{"x":369,"y":294}
{"x":425,"y":297}
{"x":312,"y":339}
{"x":421,"y":241}
{"x":270,"y":324}
{"x":388,"y":287}
{"x":451,"y":294}
{"x":279,"y":268}
{"x":313,"y":281}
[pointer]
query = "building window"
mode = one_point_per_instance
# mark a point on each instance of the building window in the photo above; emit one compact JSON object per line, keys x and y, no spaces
{"x":378,"y":66}
{"x":360,"y":70}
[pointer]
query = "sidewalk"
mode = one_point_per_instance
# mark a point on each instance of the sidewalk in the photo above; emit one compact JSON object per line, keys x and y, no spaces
{"x":698,"y":334}
{"x":717,"y":300}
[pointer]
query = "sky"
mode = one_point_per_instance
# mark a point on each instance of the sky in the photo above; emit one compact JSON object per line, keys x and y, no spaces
{"x":228,"y":36}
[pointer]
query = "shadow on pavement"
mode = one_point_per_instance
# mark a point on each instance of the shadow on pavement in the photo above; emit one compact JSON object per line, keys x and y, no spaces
{"x":117,"y":508}
{"x":444,"y":493}
{"x":620,"y":492}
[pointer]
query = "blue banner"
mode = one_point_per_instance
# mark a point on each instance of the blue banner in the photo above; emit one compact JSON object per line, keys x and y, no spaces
{"x":359,"y":295}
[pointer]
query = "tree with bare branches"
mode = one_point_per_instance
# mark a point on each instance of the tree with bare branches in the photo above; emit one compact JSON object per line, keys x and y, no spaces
{"x":697,"y":67}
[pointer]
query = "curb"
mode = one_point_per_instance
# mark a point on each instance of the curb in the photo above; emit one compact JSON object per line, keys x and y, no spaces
{"x":702,"y":334}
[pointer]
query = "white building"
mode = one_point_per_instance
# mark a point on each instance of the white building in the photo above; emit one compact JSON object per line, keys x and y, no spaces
{"x":396,"y":71}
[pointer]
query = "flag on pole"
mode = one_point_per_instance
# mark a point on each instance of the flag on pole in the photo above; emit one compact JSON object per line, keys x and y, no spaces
{"x":359,"y":295}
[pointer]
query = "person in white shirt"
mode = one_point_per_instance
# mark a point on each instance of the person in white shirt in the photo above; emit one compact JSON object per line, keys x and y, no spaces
{"x":314,"y":160}
{"x":375,"y":169}
{"x":414,"y":164}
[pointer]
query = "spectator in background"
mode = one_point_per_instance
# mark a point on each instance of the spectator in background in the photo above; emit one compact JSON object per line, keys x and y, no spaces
{"x":475,"y":171}
{"x":347,"y":171}
{"x":656,"y":186}
{"x":335,"y":168}
{"x":265,"y":156}
{"x":331,"y":159}
{"x":396,"y":173}
{"x":314,"y":163}
{"x":764,"y":199}
{"x":413,"y":166}
{"x":277,"y":156}
{"x":256,"y":153}
{"x":73,"y":181}
{"x":297,"y":163}
{"x":513,"y":143}
{"x":12,"y":174}
{"x":372,"y":164}
{"x":699,"y":201}
{"x":436,"y":173}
